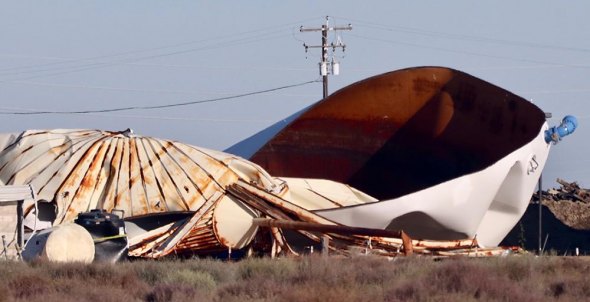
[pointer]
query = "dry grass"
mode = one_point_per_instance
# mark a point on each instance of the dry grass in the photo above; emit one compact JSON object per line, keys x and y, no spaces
{"x":518,"y":278}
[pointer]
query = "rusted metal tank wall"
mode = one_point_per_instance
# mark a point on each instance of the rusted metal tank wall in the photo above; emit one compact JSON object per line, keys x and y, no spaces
{"x":403,"y":131}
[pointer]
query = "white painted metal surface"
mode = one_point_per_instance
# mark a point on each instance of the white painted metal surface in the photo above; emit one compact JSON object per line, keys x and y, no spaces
{"x":485,"y":204}
{"x":64,"y":243}
{"x":318,"y":194}
{"x":13,"y":193}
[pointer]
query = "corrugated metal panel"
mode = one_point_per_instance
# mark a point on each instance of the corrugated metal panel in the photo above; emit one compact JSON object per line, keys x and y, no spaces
{"x":318,"y":194}
{"x":11,"y":226}
{"x":15,"y":193}
{"x":8,"y":229}
{"x":201,"y":237}
{"x":85,"y":169}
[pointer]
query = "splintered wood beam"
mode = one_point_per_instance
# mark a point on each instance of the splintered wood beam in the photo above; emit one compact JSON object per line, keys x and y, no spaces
{"x":336,"y":229}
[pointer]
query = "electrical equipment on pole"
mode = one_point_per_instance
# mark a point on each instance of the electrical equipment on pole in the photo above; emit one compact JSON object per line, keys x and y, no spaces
{"x":327,"y":66}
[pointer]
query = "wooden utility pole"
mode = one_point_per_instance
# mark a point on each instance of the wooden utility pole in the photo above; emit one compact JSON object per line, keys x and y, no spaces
{"x":324,"y":70}
{"x":548,"y":115}
{"x":540,"y":194}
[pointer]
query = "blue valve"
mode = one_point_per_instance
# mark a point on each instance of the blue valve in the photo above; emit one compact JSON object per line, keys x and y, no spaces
{"x":556,"y":133}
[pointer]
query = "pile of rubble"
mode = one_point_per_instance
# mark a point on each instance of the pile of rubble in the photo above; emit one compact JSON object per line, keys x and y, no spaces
{"x":570,"y":204}
{"x":276,"y":217}
{"x":153,"y":198}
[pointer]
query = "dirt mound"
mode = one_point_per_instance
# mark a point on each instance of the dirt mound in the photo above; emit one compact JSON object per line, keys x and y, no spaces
{"x":573,"y":214}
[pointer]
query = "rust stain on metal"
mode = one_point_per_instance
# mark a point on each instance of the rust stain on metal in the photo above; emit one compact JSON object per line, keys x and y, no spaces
{"x":390,"y":128}
{"x":109,"y":170}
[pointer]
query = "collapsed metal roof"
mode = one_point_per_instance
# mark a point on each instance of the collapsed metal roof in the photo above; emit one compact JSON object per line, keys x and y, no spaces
{"x":81,"y":170}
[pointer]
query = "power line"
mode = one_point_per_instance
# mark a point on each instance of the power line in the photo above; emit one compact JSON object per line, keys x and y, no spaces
{"x":470,"y":52}
{"x":180,"y":118}
{"x":239,"y":34}
{"x":59,"y":68}
{"x":473,"y":38}
{"x":157,"y":106}
{"x":557,"y":91}
{"x":108,"y":88}
{"x":96,"y":65}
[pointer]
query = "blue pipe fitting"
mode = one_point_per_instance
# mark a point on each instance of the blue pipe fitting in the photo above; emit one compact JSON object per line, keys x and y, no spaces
{"x":556,"y":133}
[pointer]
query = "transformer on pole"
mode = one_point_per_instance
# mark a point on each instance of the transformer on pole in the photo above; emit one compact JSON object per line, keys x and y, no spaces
{"x":327,"y":67}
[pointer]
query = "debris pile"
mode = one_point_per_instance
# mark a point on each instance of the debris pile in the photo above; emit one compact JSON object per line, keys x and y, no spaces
{"x":570,"y":204}
{"x":272,"y":228}
{"x":568,"y":191}
{"x":178,"y":199}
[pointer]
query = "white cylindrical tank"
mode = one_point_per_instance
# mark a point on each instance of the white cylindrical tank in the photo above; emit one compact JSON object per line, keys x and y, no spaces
{"x":64,"y":243}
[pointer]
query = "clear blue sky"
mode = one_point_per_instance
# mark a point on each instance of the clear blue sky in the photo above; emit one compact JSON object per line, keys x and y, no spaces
{"x":86,"y":55}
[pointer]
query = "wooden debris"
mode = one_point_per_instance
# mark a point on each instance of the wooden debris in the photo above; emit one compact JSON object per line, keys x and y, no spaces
{"x":570,"y":204}
{"x":568,"y":191}
{"x":278,"y":219}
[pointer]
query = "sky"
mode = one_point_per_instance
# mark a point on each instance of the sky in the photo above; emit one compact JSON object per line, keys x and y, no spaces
{"x":221,"y":71}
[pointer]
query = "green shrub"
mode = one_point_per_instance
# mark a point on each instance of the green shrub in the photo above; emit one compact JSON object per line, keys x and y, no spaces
{"x":277,"y":269}
{"x":194,"y":278}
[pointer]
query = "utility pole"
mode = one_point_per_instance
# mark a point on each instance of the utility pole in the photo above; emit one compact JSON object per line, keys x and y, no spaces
{"x":548,"y":115}
{"x":335,"y":67}
{"x":540,"y":214}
